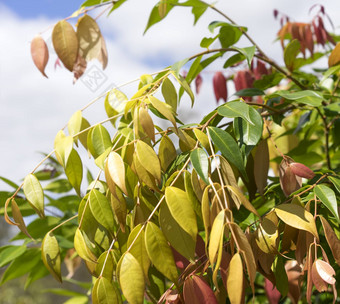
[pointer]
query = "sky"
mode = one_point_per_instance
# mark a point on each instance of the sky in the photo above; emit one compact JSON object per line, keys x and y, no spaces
{"x":33,"y":109}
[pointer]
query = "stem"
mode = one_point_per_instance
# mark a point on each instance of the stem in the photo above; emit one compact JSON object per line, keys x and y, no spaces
{"x":64,"y":222}
{"x":326,"y":132}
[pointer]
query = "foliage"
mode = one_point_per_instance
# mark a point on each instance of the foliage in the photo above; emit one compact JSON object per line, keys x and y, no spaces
{"x":189,"y":213}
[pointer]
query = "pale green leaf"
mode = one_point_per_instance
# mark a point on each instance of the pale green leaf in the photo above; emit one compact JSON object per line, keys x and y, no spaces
{"x":327,"y":197}
{"x":50,"y":255}
{"x":200,"y":162}
{"x":34,"y":194}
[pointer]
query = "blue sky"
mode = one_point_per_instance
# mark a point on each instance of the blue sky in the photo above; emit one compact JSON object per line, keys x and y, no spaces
{"x":42,"y":8}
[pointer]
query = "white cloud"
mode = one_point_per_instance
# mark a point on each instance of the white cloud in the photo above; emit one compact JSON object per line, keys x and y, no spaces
{"x":33,"y":109}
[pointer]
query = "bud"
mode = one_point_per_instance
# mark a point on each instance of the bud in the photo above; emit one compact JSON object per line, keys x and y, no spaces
{"x":220,"y":86}
{"x":301,"y":170}
{"x":288,"y":180}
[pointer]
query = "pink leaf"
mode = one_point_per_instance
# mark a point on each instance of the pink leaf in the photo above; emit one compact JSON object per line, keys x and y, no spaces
{"x":39,"y":52}
{"x":273,"y":294}
{"x":325,"y":271}
{"x":301,"y":170}
{"x":198,"y":83}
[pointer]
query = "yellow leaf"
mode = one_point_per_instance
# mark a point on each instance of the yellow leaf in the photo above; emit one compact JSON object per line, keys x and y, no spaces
{"x":235,"y":279}
{"x":34,"y":194}
{"x":65,"y":43}
{"x":267,"y":236}
{"x":50,"y":254}
{"x":63,"y":146}
{"x":164,"y":109}
{"x":215,"y":236}
{"x":167,"y":152}
{"x":148,"y":159}
{"x":115,"y":168}
{"x":237,"y":195}
{"x":297,"y":217}
{"x":147,"y":123}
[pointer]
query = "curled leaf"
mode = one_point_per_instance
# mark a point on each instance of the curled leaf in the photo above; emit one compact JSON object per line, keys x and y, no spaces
{"x":39,"y":52}
{"x":318,"y":282}
{"x":325,"y":271}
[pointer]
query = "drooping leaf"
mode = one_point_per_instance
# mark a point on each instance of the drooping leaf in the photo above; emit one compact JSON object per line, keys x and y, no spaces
{"x":10,"y":253}
{"x":159,"y":252}
{"x":178,"y":238}
{"x":105,"y":292}
{"x":50,"y":254}
{"x":237,"y":195}
{"x":115,"y":168}
{"x":318,"y":282}
{"x":74,"y":124}
{"x":325,"y":271}
{"x":327,"y":197}
{"x":197,"y":291}
{"x":119,"y":208}
{"x":147,"y":123}
{"x":220,"y":87}
{"x":131,"y":278}
{"x":200,"y":162}
{"x":235,"y":279}
{"x":181,"y":209}
{"x":74,"y":170}
{"x":290,"y":53}
{"x":63,"y":146}
{"x":166,"y":152}
{"x":266,"y":236}
{"x":332,"y":239}
{"x":34,"y":194}
{"x":90,"y":39}
{"x":101,"y":209}
{"x":249,"y":133}
{"x":148,"y":159}
{"x":65,"y":43}
{"x":81,"y":247}
{"x":297,"y":217}
{"x":138,"y":248}
{"x":39,"y":52}
{"x":228,"y":147}
{"x":307,"y":97}
{"x":169,"y":93}
{"x":216,"y":236}
{"x":17,"y":216}
{"x":101,"y":141}
{"x":164,"y":109}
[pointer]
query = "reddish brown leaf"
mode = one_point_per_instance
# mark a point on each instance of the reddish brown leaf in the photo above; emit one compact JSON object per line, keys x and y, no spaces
{"x":275,"y":13}
{"x":273,"y":294}
{"x":39,"y":52}
{"x":197,"y":291}
{"x":180,"y":260}
{"x":220,"y":86}
{"x":302,"y":170}
{"x":288,"y":180}
{"x":308,"y":36}
{"x":79,"y":68}
{"x":332,"y":239}
{"x":261,"y":166}
{"x":260,"y":70}
{"x":318,"y":34}
{"x":198,"y":83}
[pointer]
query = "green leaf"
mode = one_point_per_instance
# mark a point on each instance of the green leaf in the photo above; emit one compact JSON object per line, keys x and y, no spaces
{"x":250,"y":92}
{"x":106,"y":292}
{"x":250,"y":134}
{"x":10,"y":253}
{"x":63,"y":146}
{"x":290,"y":53}
{"x":175,"y":234}
{"x":159,"y":252}
{"x":21,"y":265}
{"x":155,"y":16}
{"x":233,"y":60}
{"x":101,"y":141}
{"x":81,"y":247}
{"x":247,"y":52}
{"x":235,"y":109}
{"x":34,"y":194}
{"x":138,"y":249}
{"x":74,"y":170}
{"x":229,"y":35}
{"x":207,"y":41}
{"x":181,"y":209}
{"x":327,"y":197}
{"x":200,"y":162}
{"x":169,"y":93}
{"x":101,"y":210}
{"x":228,"y":147}
{"x":184,"y":84}
{"x":164,"y":109}
{"x":50,"y":254}
{"x":131,"y":279}
{"x":307,"y":97}
{"x":74,"y":124}
{"x":59,"y":186}
{"x":280,"y":275}
{"x":335,"y":181}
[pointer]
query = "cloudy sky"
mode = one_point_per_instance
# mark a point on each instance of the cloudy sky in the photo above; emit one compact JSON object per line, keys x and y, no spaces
{"x":33,"y":108}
